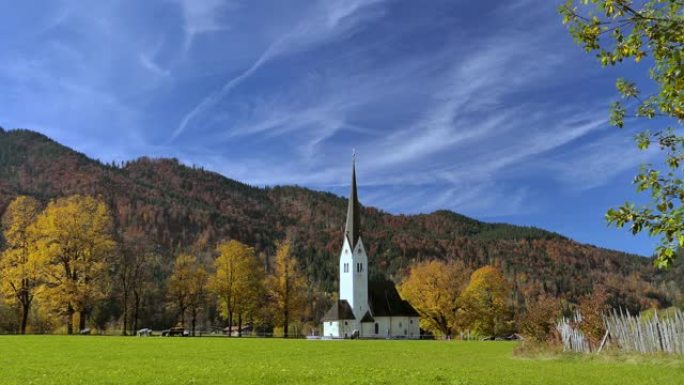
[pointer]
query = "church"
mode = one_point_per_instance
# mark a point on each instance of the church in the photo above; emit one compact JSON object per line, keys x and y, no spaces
{"x":365,"y":310}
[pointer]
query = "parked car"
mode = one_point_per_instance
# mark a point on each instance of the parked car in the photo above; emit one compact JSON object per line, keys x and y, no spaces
{"x":175,"y":331}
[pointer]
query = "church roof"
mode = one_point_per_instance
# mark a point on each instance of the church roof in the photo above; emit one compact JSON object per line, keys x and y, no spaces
{"x":353,"y":225}
{"x":384,"y":300}
{"x":339,"y":311}
{"x":367,"y":318}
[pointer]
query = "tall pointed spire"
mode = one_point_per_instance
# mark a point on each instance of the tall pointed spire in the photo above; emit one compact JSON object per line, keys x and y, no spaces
{"x":351,"y":229}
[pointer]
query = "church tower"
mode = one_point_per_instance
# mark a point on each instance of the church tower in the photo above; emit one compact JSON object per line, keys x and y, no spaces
{"x":353,"y":258}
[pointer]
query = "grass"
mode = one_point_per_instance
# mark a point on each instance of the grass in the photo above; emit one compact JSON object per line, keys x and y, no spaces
{"x":129,"y":360}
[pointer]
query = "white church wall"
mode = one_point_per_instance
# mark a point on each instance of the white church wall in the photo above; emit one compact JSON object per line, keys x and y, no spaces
{"x":354,"y":277}
{"x":399,"y":326}
{"x":360,"y":280}
{"x":414,"y":327}
{"x":340,"y":329}
{"x":367,"y":330}
{"x":384,"y":326}
{"x":347,"y":328}
{"x":346,"y":271}
{"x":331,"y":329}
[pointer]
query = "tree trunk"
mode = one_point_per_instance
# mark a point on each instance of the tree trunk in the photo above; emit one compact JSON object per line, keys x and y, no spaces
{"x":124,"y":330}
{"x":194,"y":320}
{"x":24,"y":317}
{"x":230,"y":323}
{"x":25,"y":300}
{"x":240,"y":325}
{"x":136,"y":311}
{"x":82,"y":320}
{"x":70,"y":320}
{"x":286,"y":322}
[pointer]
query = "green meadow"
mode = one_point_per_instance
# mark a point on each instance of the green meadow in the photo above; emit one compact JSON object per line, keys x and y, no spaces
{"x":130,"y":360}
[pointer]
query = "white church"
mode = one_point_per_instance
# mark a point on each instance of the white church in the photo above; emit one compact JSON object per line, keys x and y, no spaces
{"x":363,"y":310}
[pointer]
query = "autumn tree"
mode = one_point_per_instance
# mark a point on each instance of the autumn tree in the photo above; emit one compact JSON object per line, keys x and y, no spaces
{"x":433,"y":288}
{"x":187,"y":288}
{"x":484,"y":307}
{"x":72,"y":248}
{"x":618,"y":30}
{"x":238,"y":282}
{"x":132,"y":270}
{"x":592,"y":308}
{"x":144,"y":283}
{"x":286,"y":288}
{"x":198,"y":295}
{"x":19,"y":274}
{"x":538,"y":323}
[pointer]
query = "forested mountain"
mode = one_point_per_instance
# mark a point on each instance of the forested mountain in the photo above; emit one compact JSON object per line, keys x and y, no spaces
{"x":182,"y":208}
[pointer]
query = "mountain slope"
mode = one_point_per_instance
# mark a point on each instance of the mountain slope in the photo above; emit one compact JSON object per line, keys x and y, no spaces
{"x":179,"y":207}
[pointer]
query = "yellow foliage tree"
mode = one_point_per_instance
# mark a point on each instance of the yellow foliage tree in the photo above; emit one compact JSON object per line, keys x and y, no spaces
{"x":286,"y":288}
{"x":238,"y":282}
{"x":188,"y":287}
{"x":72,"y":247}
{"x":484,"y":309}
{"x":433,"y":288}
{"x":19,"y":274}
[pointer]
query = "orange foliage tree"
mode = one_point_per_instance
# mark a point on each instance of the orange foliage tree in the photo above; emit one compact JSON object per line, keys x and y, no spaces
{"x":538,"y":323}
{"x":592,"y":307}
{"x":18,"y":275}
{"x":433,"y":288}
{"x":484,"y":303}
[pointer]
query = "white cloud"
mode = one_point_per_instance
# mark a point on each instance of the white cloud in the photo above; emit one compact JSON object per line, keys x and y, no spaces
{"x":599,"y":162}
{"x":203,"y":16}
{"x":325,"y":23}
{"x":148,"y":62}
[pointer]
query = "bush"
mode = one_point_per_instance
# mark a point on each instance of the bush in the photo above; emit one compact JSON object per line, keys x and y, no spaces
{"x":538,"y":324}
{"x":592,"y":307}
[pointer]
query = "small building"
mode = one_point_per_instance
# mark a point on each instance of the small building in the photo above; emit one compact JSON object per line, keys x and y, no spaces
{"x":365,"y":310}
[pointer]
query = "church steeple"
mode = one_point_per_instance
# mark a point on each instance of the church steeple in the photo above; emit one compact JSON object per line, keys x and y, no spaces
{"x":351,"y":229}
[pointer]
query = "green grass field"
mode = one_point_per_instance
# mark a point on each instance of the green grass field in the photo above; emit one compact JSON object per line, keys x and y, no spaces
{"x":119,"y":360}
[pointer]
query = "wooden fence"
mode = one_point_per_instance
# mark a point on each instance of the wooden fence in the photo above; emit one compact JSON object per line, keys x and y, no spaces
{"x":572,"y":337}
{"x":647,"y":335}
{"x":628,"y":333}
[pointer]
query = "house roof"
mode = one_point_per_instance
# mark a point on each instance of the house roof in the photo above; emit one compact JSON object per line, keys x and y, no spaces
{"x":340,"y":310}
{"x":367,"y":318}
{"x":384,"y":300}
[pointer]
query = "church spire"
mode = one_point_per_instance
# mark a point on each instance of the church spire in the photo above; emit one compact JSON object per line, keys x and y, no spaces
{"x":351,"y":229}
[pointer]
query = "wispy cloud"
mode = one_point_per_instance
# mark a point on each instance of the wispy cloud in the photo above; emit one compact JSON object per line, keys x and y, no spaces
{"x":148,"y":62}
{"x":203,"y":16}
{"x":481,"y":108}
{"x":599,"y":162}
{"x":324,"y":24}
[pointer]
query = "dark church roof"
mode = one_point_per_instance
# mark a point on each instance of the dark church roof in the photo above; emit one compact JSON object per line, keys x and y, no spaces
{"x":384,"y":300}
{"x":353,"y":225}
{"x":367,"y":318}
{"x":339,"y":311}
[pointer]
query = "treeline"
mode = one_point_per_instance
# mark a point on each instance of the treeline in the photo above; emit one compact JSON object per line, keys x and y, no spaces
{"x":455,"y":300}
{"x":65,"y":265}
{"x":165,"y":208}
{"x":65,"y":268}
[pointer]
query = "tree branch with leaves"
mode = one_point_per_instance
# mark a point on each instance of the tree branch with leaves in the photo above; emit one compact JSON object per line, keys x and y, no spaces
{"x":618,"y":30}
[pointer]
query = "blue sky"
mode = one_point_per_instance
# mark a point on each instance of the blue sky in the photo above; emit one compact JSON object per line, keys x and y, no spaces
{"x":486,"y":108}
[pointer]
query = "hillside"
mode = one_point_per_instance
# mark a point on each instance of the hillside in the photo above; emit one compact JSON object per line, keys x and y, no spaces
{"x":178,"y":207}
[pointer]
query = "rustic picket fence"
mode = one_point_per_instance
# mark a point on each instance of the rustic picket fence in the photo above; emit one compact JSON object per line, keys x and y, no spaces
{"x":628,"y":333}
{"x":572,"y":337}
{"x":653,"y":335}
